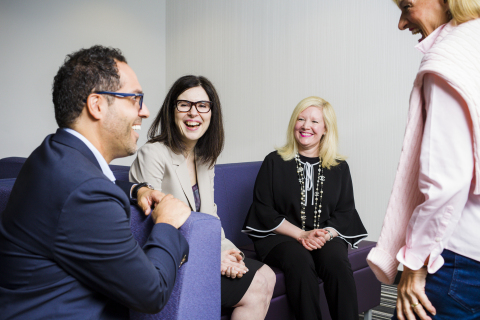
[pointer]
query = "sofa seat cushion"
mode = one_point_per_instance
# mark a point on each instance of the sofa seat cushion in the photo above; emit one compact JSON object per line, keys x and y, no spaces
{"x":358,"y":257}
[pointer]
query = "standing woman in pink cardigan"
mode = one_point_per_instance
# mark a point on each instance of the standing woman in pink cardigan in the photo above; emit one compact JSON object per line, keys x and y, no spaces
{"x":433,"y":216}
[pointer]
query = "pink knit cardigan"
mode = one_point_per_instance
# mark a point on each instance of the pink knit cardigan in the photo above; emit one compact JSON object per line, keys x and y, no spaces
{"x":455,"y":57}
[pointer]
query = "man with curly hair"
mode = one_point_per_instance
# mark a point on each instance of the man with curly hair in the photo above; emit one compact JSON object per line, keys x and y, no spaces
{"x":66,"y":249}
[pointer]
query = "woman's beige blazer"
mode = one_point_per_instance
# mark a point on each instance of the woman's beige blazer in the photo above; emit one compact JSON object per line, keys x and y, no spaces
{"x":167,"y":171}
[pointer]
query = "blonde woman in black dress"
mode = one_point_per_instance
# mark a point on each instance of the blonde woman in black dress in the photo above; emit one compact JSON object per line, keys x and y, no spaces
{"x":303,"y":215}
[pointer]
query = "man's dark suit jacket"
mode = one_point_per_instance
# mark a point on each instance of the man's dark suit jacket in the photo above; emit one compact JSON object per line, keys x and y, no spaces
{"x":66,"y":250}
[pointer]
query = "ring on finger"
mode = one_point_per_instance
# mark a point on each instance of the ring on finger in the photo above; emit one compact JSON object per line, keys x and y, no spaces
{"x":414,"y":305}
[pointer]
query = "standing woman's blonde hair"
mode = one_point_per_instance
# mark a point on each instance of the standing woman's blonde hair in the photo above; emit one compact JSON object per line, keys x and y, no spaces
{"x":464,"y":10}
{"x":328,"y":142}
{"x":460,"y":10}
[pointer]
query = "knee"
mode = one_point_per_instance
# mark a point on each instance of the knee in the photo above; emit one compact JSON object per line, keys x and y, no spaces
{"x":335,"y":269}
{"x":262,"y":284}
{"x":266,"y":280}
{"x":270,"y":278}
{"x":343,"y":263}
{"x":301,"y":263}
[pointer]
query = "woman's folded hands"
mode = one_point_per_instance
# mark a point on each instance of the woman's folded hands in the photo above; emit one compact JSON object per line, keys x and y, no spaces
{"x":313,"y":239}
{"x":231,"y":264}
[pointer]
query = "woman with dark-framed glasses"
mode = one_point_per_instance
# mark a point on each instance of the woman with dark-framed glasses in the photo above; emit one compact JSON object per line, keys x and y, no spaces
{"x":185,"y":141}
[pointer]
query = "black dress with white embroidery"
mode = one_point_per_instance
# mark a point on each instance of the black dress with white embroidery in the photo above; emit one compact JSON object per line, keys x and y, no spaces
{"x":277,"y":197}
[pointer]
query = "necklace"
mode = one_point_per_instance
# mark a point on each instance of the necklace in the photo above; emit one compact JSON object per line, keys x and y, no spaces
{"x":318,"y":205}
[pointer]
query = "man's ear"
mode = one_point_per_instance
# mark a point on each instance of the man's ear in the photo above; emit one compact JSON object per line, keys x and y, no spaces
{"x":96,"y":106}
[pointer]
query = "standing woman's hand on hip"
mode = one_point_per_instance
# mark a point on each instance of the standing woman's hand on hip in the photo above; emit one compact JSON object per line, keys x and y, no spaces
{"x":411,"y":297}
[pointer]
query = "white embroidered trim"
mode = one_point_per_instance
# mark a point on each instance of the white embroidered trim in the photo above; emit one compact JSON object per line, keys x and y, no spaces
{"x":263,"y":231}
{"x":341,"y":236}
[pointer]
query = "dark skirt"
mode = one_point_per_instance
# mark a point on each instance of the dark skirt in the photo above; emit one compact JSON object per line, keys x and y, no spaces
{"x":233,"y":290}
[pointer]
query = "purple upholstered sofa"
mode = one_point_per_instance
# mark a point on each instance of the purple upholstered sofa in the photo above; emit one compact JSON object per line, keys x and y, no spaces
{"x":197,"y":291}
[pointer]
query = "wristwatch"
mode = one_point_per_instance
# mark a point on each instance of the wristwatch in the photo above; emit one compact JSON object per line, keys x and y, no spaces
{"x":138,"y":186}
{"x":242,"y":254}
{"x":330,"y":233}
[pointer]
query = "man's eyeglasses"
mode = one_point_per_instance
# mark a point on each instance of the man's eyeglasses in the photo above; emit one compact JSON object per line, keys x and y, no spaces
{"x":201,"y":106}
{"x":138,"y":97}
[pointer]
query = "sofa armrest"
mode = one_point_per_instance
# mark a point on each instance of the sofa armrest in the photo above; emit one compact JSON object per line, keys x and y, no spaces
{"x":196,"y":294}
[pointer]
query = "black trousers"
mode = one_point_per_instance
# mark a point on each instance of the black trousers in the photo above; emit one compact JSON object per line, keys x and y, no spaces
{"x":301,"y":268}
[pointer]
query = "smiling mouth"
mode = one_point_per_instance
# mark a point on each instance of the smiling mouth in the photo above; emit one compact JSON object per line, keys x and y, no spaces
{"x":192,"y":124}
{"x":306,"y":134}
{"x":417,"y":31}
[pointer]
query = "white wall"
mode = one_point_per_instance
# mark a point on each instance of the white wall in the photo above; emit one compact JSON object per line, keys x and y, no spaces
{"x":265,"y":56}
{"x":35,"y":37}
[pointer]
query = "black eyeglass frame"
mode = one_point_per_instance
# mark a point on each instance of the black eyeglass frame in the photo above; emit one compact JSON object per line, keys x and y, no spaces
{"x":122,"y":95}
{"x":193,"y":104}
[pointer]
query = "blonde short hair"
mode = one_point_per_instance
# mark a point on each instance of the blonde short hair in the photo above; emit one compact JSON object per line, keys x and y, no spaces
{"x":328,"y":142}
{"x":461,"y":10}
{"x":464,"y":10}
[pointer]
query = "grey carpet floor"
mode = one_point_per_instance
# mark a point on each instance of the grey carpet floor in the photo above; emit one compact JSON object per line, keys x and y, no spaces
{"x":388,"y":299}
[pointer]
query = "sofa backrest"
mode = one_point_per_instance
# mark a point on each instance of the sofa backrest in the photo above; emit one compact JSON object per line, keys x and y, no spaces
{"x":120,"y":172}
{"x":233,"y":185}
{"x":10,"y":167}
{"x":6,"y":186}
